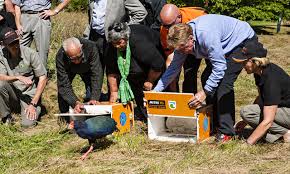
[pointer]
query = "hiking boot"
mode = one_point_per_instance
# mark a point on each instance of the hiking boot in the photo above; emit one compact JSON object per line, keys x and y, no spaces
{"x":223,"y":138}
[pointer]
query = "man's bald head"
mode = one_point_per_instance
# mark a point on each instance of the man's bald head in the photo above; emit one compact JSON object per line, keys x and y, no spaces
{"x":169,"y":14}
{"x":73,"y":49}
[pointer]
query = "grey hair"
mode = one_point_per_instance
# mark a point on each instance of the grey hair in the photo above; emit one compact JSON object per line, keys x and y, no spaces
{"x":119,"y":31}
{"x":70,"y":41}
{"x":261,"y":62}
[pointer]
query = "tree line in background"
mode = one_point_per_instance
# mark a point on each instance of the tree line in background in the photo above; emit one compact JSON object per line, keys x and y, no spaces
{"x":262,"y":10}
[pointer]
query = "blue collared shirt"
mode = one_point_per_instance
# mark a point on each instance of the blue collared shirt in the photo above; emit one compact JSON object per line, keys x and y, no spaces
{"x":214,"y":36}
{"x":99,"y":14}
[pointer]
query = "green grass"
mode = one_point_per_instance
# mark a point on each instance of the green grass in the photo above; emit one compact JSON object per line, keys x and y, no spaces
{"x":45,"y":149}
{"x":20,"y":152}
{"x":262,"y":23}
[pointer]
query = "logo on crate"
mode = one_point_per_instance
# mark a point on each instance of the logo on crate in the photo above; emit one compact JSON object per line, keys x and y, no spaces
{"x":172,"y":105}
{"x":158,"y":104}
{"x":123,"y":118}
{"x":205,"y":124}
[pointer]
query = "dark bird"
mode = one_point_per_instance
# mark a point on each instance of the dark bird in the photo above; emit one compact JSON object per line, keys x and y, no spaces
{"x":93,"y":128}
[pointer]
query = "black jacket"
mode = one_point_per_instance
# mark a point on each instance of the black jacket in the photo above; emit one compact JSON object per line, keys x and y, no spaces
{"x":66,"y":69}
{"x":146,"y":50}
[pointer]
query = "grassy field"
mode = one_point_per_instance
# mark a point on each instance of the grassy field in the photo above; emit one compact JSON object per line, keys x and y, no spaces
{"x":46,"y":149}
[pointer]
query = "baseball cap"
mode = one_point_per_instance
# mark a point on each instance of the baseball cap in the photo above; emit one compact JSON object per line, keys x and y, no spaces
{"x":251,"y":49}
{"x":8,"y":35}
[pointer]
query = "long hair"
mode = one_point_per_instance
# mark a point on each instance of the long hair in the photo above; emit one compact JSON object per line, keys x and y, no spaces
{"x":261,"y":62}
{"x":119,"y":31}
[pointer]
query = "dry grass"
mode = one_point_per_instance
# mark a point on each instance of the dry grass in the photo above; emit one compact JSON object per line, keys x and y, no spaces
{"x":45,"y":149}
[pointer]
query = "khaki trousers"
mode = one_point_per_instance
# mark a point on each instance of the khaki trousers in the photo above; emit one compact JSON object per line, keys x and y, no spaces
{"x":10,"y":102}
{"x":38,"y":29}
{"x":252,"y":115}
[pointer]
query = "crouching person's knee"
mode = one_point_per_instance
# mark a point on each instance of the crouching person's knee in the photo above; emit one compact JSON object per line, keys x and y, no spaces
{"x":250,"y":113}
{"x":27,"y":122}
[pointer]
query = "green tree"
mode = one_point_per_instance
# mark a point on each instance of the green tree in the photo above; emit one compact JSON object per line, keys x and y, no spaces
{"x":243,"y":9}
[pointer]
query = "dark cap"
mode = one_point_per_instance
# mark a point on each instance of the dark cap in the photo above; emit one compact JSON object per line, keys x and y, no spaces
{"x":8,"y":35}
{"x":252,"y":48}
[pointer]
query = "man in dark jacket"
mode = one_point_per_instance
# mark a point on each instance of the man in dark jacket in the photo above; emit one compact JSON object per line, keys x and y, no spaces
{"x":78,"y":56}
{"x":146,"y":58}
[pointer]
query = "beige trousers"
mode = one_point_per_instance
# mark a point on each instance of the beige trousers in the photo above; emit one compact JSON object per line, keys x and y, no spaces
{"x":10,"y":102}
{"x":251,"y":114}
{"x":39,"y":30}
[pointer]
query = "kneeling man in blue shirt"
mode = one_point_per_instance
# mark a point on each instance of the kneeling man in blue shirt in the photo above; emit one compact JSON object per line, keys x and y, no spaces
{"x":217,"y":38}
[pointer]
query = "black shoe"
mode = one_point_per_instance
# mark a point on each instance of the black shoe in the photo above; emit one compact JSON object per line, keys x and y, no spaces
{"x":8,"y":120}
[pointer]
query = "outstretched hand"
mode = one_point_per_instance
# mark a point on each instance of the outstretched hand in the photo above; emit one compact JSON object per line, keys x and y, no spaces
{"x":93,"y":102}
{"x":30,"y":112}
{"x":148,"y":86}
{"x":113,"y":97}
{"x":79,"y":107}
{"x":197,"y":99}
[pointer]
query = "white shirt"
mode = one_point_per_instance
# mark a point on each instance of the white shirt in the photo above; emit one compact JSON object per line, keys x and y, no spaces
{"x":99,"y":14}
{"x":1,"y":5}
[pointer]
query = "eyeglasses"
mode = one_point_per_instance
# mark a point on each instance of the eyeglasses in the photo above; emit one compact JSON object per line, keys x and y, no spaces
{"x":187,"y":47}
{"x":77,"y":58}
{"x":174,"y":22}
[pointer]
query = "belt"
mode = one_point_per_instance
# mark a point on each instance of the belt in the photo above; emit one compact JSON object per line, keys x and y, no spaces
{"x":31,"y":12}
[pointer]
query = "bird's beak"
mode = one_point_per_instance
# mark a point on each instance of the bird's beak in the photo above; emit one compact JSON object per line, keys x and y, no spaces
{"x":71,"y":125}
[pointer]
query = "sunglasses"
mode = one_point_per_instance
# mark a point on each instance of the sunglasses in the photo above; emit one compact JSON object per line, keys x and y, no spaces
{"x":174,"y":22}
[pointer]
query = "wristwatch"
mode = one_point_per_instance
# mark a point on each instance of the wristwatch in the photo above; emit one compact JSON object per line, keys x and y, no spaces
{"x":56,"y":11}
{"x":207,"y":93}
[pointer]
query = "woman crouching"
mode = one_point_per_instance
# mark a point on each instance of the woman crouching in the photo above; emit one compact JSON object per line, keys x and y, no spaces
{"x":270,"y":116}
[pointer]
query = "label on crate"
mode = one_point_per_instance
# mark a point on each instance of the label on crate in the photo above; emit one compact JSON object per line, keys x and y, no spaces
{"x":158,"y":104}
{"x":172,"y":105}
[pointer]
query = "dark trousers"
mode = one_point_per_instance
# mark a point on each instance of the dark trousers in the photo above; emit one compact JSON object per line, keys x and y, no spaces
{"x":136,"y":82}
{"x":224,"y":98}
{"x":190,"y":67}
{"x":62,"y":104}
